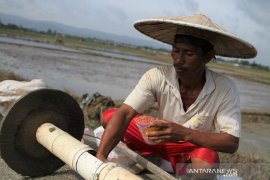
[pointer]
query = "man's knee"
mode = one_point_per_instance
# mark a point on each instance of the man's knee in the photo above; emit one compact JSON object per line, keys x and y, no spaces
{"x":106,"y":116}
{"x":205,"y":154}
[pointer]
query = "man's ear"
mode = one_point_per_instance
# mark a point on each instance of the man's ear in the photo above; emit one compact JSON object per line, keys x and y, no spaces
{"x":208,"y":56}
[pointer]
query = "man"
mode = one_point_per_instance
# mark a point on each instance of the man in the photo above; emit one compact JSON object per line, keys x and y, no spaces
{"x":199,"y":108}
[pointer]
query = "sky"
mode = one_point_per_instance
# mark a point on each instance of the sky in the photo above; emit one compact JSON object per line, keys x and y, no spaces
{"x":248,"y":19}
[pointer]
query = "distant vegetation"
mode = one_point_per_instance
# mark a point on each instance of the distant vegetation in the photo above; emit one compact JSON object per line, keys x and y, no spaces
{"x":161,"y":54}
{"x":54,"y":33}
{"x":244,"y":63}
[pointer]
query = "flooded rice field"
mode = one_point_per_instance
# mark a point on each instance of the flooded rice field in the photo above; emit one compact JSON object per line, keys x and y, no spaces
{"x":112,"y":74}
{"x":73,"y":71}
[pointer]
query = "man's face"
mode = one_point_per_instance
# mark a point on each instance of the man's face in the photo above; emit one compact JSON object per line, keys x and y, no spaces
{"x":187,"y":59}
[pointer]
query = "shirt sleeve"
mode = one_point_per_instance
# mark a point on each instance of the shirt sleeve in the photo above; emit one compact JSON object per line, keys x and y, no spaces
{"x":143,"y":95}
{"x":229,"y":115}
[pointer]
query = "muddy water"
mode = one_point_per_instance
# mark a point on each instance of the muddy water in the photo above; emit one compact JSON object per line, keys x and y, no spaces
{"x":254,"y":95}
{"x":75,"y":72}
{"x":112,"y":76}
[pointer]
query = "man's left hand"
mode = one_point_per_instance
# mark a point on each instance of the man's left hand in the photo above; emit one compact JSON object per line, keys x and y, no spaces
{"x":167,"y":132}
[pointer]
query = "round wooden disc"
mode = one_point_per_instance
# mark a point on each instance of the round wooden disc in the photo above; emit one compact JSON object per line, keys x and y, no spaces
{"x":18,"y":144}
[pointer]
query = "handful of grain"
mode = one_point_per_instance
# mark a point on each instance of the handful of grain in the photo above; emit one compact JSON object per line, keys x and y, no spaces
{"x":144,"y":124}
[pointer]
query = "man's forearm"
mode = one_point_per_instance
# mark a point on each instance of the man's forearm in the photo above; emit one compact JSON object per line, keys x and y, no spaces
{"x":115,"y":130}
{"x":217,"y":141}
{"x":111,"y":137}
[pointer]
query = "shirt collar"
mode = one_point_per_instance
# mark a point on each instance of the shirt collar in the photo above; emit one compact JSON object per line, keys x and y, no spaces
{"x":171,"y":77}
{"x":209,"y":86}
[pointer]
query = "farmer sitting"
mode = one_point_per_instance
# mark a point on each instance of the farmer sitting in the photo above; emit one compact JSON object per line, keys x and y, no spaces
{"x":199,"y":109}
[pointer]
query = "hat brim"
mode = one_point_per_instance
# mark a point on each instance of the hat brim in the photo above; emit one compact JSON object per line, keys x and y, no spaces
{"x":225,"y":43}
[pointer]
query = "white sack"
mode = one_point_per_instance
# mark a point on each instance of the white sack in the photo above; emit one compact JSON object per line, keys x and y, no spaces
{"x":11,"y":91}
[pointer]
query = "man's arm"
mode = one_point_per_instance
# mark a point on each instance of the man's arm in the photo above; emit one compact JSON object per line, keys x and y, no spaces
{"x":223,"y":142}
{"x":115,"y":130}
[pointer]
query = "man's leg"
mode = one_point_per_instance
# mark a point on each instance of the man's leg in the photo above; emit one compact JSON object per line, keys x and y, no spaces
{"x":106,"y":116}
{"x":204,"y":160}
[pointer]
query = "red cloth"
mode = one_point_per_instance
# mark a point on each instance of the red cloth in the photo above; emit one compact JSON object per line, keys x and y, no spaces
{"x":108,"y":114}
{"x":175,"y":152}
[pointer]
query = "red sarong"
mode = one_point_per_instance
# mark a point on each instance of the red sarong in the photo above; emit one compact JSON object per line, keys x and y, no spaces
{"x":175,"y":152}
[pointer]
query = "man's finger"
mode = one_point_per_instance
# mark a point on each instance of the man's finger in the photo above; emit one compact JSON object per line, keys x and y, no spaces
{"x":160,"y":123}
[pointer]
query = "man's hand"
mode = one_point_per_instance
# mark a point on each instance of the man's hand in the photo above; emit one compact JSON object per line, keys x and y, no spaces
{"x":167,"y":132}
{"x":101,"y":157}
{"x":171,"y":132}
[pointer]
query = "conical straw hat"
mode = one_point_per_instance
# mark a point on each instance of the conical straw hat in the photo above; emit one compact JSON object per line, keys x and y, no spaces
{"x":225,"y":43}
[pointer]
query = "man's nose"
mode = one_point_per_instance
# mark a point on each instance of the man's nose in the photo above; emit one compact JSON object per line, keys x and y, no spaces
{"x":179,"y":58}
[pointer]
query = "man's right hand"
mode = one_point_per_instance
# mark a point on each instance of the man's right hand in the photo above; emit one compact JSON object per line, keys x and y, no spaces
{"x":101,"y":158}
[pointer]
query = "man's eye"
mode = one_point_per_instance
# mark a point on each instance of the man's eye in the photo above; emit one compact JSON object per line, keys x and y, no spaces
{"x":175,"y":50}
{"x":189,"y":53}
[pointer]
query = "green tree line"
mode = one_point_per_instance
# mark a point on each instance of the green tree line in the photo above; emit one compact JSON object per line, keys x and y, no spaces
{"x":245,"y":63}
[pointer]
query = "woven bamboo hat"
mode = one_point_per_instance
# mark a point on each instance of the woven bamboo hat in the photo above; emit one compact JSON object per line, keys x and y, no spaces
{"x":225,"y":43}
